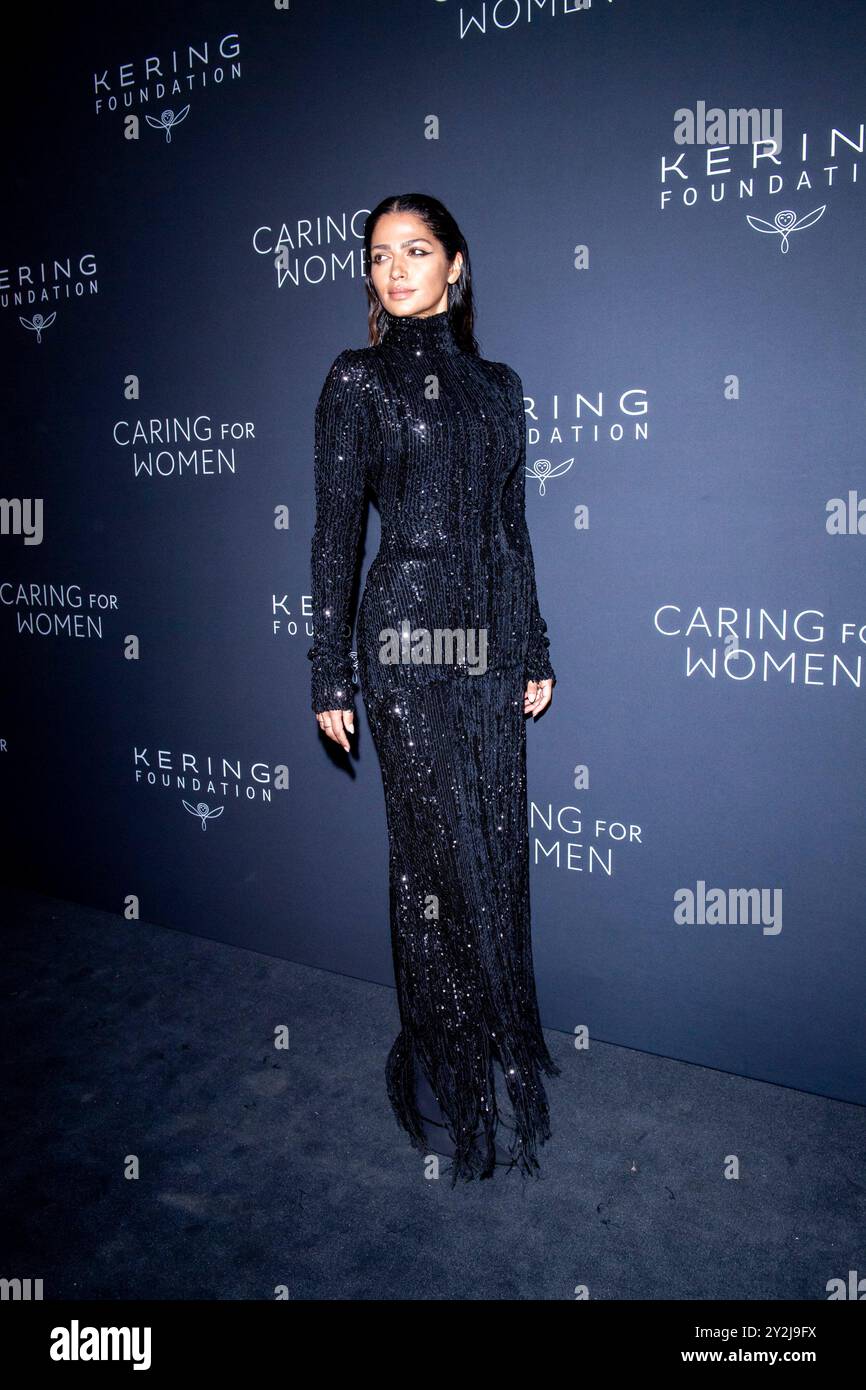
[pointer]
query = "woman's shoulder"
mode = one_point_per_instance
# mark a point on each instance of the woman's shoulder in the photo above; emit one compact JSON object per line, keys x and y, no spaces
{"x":349,"y":357}
{"x":508,"y":373}
{"x":350,"y":368}
{"x":505,"y":375}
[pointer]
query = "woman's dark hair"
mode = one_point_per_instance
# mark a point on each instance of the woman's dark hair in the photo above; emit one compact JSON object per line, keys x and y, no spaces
{"x":461,"y":307}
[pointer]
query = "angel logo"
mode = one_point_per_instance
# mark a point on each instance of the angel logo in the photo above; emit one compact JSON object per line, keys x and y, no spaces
{"x":784,"y":223}
{"x":203,"y":811}
{"x":167,"y":121}
{"x":542,"y":469}
{"x":37,"y":323}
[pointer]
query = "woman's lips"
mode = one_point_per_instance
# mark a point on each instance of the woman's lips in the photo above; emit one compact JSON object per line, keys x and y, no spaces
{"x":400,"y":294}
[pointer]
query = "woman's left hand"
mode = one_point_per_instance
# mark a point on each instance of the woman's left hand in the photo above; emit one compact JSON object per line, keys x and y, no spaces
{"x":537,"y":697}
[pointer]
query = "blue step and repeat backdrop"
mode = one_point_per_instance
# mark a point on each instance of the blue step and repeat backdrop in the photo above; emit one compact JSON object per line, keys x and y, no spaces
{"x":664,"y":209}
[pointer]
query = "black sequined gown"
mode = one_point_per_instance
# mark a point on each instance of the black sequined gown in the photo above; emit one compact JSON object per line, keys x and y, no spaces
{"x":438,"y":434}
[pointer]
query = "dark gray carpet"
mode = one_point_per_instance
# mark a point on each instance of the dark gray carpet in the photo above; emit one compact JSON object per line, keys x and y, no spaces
{"x":257,"y":1168}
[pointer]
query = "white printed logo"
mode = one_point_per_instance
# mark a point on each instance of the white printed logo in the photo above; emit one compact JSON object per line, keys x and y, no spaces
{"x":784,"y":223}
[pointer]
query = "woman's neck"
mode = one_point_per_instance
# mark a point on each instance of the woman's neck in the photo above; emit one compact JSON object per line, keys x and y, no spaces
{"x":420,"y":336}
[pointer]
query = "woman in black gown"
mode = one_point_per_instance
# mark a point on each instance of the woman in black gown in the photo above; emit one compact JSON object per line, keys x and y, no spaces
{"x":452,"y":652}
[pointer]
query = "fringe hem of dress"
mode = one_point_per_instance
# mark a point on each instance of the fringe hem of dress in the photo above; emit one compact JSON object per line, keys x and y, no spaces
{"x":472,"y":1133}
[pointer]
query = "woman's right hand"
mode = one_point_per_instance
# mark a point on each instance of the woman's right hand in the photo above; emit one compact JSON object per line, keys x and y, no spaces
{"x":335,"y":722}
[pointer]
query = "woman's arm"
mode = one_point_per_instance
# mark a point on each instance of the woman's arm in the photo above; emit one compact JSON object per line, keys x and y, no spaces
{"x":342,"y":438}
{"x":538,"y":666}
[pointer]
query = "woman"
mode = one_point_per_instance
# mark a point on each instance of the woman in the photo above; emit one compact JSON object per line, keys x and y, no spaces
{"x":452,"y":653}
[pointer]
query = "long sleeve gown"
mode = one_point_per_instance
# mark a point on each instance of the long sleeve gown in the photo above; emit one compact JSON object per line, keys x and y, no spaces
{"x":438,"y":434}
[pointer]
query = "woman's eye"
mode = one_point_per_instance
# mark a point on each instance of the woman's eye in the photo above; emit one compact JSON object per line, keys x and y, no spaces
{"x":380,"y":255}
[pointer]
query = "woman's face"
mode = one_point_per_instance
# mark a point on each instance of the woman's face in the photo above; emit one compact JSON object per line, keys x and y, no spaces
{"x":408,"y":266}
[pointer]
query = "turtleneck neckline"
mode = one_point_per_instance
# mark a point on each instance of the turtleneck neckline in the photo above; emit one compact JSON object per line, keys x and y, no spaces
{"x":420,"y":336}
